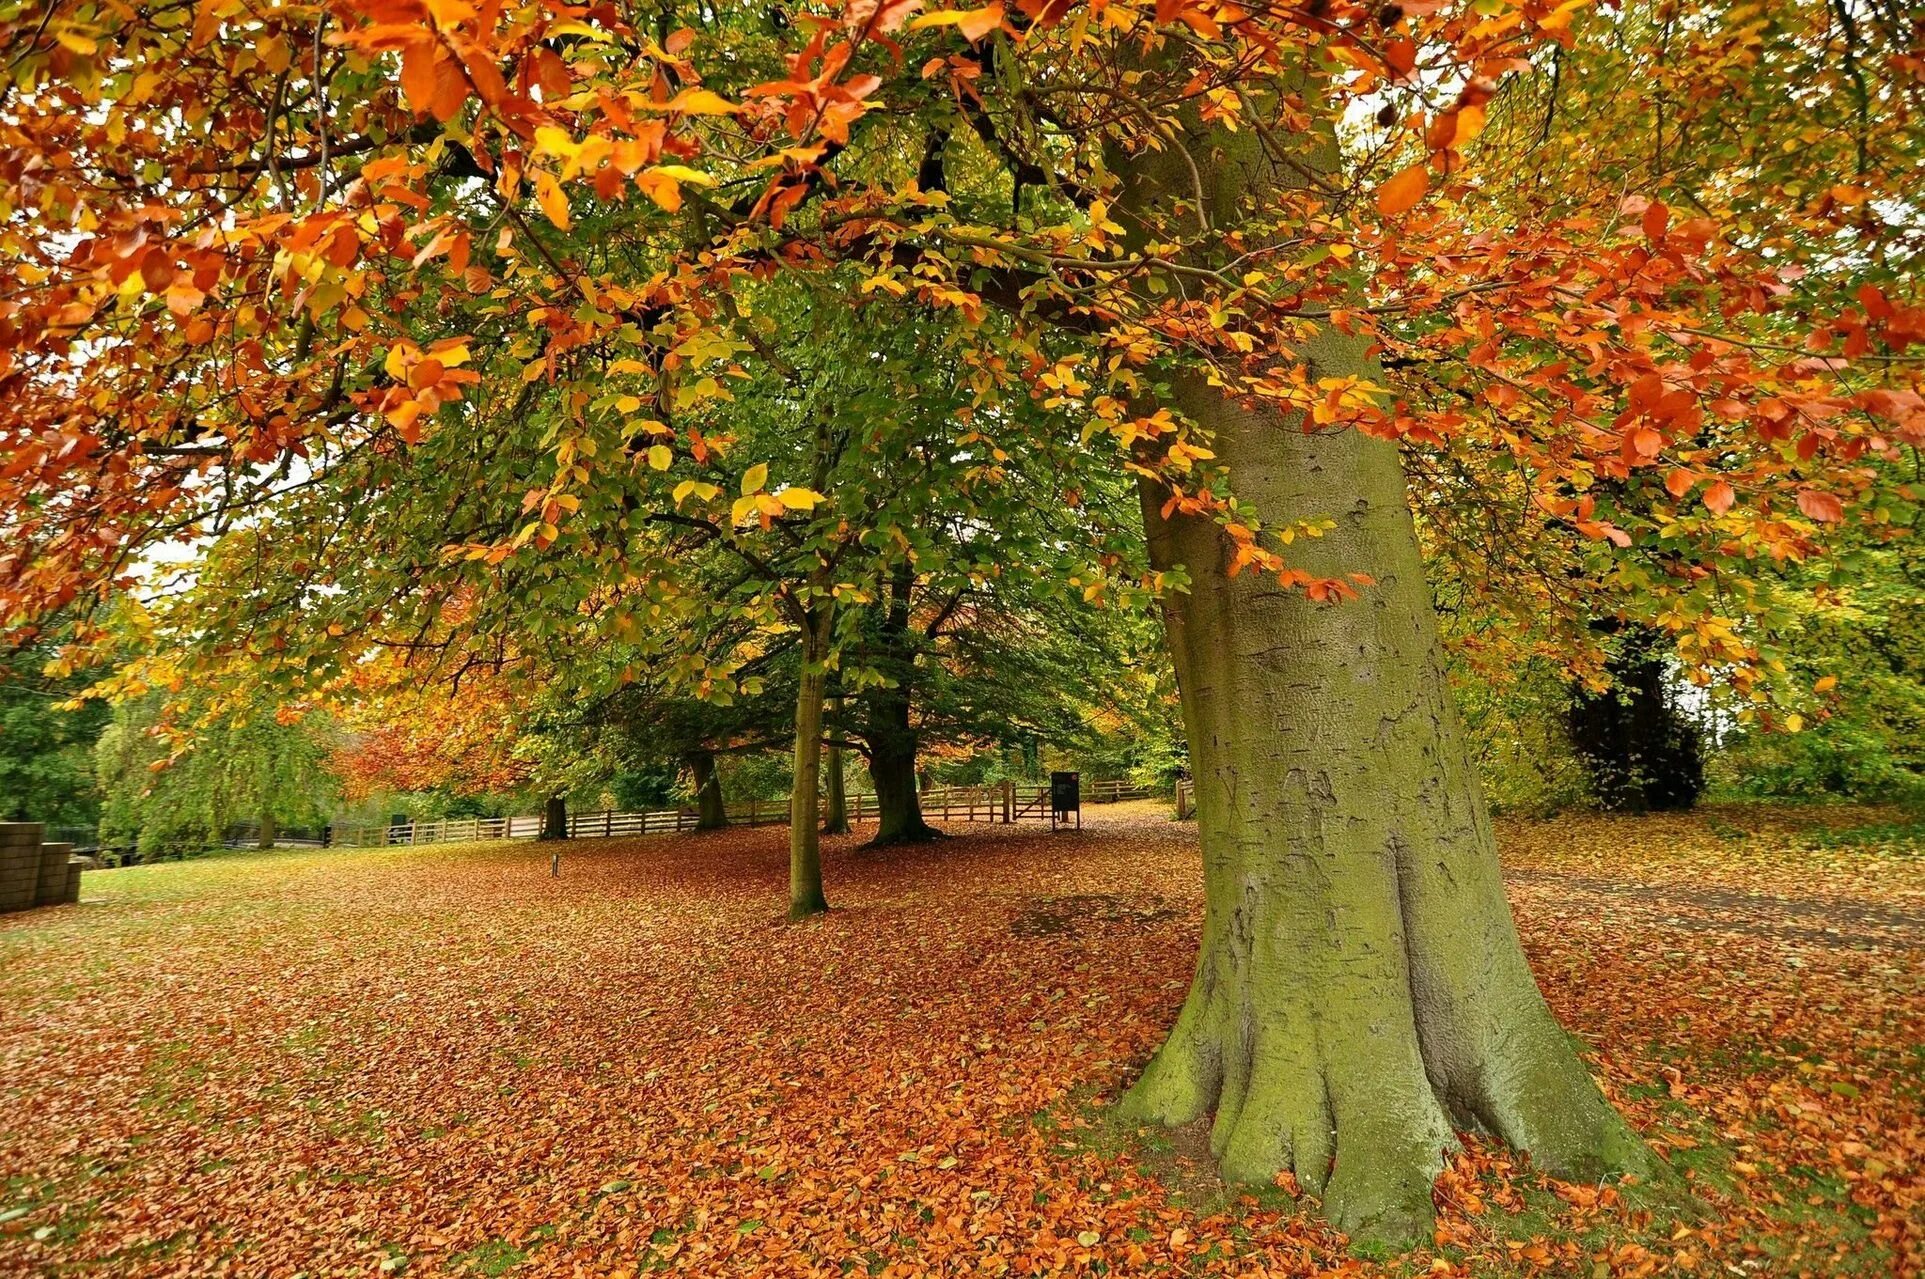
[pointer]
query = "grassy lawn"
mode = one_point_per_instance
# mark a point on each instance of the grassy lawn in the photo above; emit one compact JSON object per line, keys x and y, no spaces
{"x":442,"y":1060}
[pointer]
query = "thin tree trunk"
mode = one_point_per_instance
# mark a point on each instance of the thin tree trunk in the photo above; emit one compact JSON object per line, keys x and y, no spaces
{"x":805,"y":850}
{"x":1360,"y":991}
{"x":711,"y":807}
{"x":266,"y":835}
{"x":835,"y":820}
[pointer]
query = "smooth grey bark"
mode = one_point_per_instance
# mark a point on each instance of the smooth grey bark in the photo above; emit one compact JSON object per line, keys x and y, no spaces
{"x":1360,"y":991}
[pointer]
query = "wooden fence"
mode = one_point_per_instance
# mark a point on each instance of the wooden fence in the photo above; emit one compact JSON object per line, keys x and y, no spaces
{"x":1006,"y":804}
{"x":1114,"y":792}
{"x":1185,"y":799}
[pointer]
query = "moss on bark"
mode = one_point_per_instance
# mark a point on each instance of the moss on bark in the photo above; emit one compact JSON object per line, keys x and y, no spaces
{"x":1360,"y":993}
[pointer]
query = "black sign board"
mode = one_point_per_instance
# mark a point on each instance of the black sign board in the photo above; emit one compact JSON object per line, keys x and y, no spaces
{"x":1065,"y":797}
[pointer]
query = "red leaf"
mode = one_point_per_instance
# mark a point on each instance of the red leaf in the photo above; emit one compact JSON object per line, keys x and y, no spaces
{"x":1400,"y":55}
{"x":1656,"y":217}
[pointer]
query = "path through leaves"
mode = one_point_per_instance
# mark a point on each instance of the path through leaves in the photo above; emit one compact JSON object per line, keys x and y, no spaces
{"x":444,"y":1061}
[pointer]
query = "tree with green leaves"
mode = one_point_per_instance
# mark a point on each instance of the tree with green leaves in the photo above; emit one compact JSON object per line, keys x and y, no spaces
{"x":170,"y":790}
{"x":46,"y":750}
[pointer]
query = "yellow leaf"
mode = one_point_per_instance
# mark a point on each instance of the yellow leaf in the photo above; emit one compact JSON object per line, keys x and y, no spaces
{"x":797,"y":499}
{"x":551,"y":141}
{"x":1825,"y":685}
{"x":1795,"y":723}
{"x":973,"y":23}
{"x":553,"y":202}
{"x":754,"y":478}
{"x":659,"y":456}
{"x":682,"y":173}
{"x":80,"y":44}
{"x":700,"y":102}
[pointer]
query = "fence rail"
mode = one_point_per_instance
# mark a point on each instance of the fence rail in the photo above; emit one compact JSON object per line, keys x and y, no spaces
{"x":248,"y":835}
{"x":950,"y":804}
{"x":1115,"y":791}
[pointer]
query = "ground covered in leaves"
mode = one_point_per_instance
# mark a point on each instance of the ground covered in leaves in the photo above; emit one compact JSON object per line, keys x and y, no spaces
{"x":445,"y":1061}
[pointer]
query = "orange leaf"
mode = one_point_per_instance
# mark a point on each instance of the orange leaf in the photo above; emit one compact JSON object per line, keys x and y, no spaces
{"x":418,"y":73}
{"x":1823,"y":507}
{"x":1655,"y":219}
{"x":1403,"y":191}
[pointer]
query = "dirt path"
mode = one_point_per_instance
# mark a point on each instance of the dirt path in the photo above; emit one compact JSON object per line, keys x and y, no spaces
{"x":1823,"y":921}
{"x":1816,"y":919}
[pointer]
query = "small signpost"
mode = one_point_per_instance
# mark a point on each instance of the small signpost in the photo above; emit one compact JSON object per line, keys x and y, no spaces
{"x":1065,"y":798}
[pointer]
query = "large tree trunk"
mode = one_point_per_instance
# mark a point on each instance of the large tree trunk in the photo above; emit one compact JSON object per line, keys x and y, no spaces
{"x":1360,"y":991}
{"x":711,"y":810}
{"x":805,"y":848}
{"x":554,"y":818}
{"x":892,"y":767}
{"x":891,"y":733}
{"x":265,"y":836}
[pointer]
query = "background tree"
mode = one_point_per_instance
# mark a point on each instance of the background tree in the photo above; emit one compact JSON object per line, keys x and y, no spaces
{"x":46,"y":752}
{"x":170,"y":790}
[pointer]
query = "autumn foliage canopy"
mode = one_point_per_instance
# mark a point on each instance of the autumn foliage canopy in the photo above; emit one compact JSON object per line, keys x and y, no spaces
{"x":1625,"y":285}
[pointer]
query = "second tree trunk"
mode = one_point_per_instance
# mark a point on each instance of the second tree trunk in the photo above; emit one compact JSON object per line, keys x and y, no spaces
{"x":805,"y":848}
